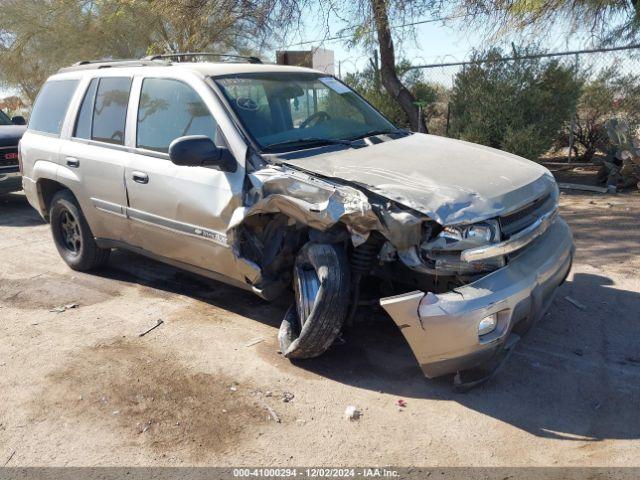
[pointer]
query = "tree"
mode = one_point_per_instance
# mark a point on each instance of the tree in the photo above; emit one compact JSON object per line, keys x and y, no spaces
{"x":518,"y":106}
{"x":392,"y":83}
{"x":39,"y":36}
{"x":612,"y":21}
{"x":223,"y":26}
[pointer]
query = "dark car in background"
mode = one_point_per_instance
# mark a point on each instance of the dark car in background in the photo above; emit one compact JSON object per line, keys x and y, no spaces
{"x":11,"y":130}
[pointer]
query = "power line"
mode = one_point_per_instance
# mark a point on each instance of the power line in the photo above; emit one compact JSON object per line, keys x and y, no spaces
{"x":393,"y":27}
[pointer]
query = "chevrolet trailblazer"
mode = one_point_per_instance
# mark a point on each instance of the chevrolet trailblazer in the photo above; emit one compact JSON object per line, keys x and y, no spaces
{"x":274,"y":177}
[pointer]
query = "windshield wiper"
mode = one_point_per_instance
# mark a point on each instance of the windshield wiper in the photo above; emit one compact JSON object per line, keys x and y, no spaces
{"x":371,"y":133}
{"x":309,"y":141}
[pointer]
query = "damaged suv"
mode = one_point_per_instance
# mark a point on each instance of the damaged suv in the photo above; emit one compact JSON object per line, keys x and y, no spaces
{"x":274,"y":178}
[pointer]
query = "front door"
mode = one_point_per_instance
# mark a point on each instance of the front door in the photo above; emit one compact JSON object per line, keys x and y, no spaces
{"x":177,"y":212}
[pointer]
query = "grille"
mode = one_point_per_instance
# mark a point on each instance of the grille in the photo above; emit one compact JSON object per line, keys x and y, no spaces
{"x":521,"y":219}
{"x":9,"y":157}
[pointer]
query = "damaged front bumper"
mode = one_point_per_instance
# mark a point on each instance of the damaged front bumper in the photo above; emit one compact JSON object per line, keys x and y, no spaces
{"x":442,"y":329}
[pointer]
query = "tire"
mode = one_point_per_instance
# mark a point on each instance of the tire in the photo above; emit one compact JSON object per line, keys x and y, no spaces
{"x":322,"y":288}
{"x":72,"y":235}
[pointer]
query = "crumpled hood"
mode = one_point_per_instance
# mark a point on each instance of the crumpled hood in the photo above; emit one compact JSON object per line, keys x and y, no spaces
{"x":449,"y":180}
{"x":10,"y":135}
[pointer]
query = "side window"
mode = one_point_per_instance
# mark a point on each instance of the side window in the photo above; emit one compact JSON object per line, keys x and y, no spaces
{"x":170,"y":109}
{"x":51,"y":106}
{"x":110,"y":110}
{"x":84,"y":121}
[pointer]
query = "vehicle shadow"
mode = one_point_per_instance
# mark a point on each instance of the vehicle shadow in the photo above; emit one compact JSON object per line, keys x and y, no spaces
{"x":129,"y":267}
{"x":576,"y":375}
{"x":15,"y":211}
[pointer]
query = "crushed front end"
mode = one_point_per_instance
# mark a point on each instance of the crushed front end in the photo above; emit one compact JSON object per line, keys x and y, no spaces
{"x":469,"y":325}
{"x":459,"y":273}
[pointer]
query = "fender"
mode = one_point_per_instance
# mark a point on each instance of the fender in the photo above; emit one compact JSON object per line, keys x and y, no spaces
{"x":47,"y":170}
{"x":42,"y":170}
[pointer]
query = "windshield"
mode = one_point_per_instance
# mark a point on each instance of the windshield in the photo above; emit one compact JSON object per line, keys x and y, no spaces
{"x":4,"y":119}
{"x":284,"y":111}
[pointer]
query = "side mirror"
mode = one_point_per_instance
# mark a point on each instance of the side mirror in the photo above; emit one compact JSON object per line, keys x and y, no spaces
{"x":18,"y":120}
{"x":200,"y":151}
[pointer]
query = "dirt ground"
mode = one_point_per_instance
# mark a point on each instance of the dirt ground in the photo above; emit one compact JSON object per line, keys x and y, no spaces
{"x":80,"y":387}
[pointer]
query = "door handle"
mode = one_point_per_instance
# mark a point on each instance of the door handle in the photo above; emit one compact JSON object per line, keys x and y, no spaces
{"x":73,"y":162}
{"x":140,"y":177}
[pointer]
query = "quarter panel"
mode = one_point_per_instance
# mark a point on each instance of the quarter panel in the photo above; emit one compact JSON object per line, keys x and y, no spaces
{"x":37,"y":147}
{"x":39,"y":155}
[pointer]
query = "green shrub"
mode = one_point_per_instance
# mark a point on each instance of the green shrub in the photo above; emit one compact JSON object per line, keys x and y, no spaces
{"x":526,"y":142}
{"x":518,"y":106}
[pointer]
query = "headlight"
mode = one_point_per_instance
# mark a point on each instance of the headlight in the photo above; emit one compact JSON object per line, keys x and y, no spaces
{"x":481,"y":232}
{"x":477,"y":233}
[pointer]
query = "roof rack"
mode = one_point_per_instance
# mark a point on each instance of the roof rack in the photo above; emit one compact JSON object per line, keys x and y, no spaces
{"x":93,"y":64}
{"x":152,"y":60}
{"x":187,"y":56}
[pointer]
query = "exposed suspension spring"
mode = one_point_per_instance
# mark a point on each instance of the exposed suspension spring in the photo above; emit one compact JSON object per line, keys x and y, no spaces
{"x":363,"y":257}
{"x":362,"y":260}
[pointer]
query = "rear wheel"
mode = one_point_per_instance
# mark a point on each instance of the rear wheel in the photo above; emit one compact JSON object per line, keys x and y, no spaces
{"x":321,"y":281}
{"x":72,"y":235}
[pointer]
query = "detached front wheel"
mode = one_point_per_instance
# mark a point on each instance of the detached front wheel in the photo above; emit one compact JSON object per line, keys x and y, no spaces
{"x":321,"y":281}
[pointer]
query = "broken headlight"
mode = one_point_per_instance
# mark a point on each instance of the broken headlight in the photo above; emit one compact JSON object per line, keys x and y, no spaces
{"x":442,"y":252}
{"x":480,"y":233}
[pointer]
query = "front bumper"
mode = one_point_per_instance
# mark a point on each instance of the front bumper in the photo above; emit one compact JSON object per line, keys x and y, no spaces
{"x":443,"y":330}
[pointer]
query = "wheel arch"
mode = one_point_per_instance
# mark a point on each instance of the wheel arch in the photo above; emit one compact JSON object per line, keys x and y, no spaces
{"x":47,"y":188}
{"x":267,"y":245}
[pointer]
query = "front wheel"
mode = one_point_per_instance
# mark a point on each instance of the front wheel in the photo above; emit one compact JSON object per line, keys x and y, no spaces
{"x":321,"y":281}
{"x":72,"y":235}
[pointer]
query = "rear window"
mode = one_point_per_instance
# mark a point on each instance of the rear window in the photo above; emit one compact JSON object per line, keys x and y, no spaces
{"x":110,"y":110}
{"x":51,"y":106}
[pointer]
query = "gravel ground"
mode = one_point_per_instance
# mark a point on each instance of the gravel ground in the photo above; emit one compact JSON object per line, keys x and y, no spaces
{"x":80,"y":387}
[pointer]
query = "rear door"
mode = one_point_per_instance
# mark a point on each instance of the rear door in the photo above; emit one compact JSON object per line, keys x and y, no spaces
{"x":178,"y":212}
{"x":95,"y":156}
